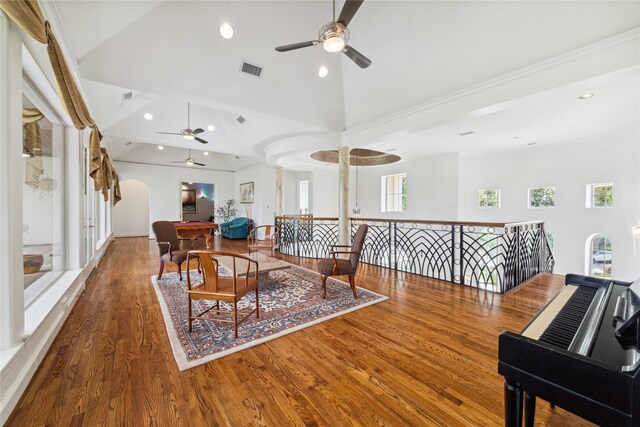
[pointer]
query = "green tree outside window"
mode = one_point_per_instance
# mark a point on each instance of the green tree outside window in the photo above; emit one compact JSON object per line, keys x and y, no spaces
{"x":542,"y":197}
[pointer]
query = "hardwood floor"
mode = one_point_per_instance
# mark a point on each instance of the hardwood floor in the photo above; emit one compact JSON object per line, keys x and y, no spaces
{"x":427,"y":356}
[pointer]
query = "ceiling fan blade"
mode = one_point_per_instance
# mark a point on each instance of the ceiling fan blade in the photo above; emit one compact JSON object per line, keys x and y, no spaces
{"x":170,"y":133}
{"x":199,"y":164}
{"x":197,"y":131}
{"x":296,"y":46}
{"x":348,"y":11}
{"x":361,"y":60}
{"x":200,"y":140}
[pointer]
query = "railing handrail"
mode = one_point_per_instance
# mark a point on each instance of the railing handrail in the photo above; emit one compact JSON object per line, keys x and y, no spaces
{"x":418,"y":221}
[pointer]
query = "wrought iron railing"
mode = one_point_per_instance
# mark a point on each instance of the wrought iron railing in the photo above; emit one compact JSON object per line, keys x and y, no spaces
{"x":492,"y":256}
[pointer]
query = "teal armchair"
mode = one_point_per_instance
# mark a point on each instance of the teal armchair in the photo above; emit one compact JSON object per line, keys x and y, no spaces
{"x":237,"y":228}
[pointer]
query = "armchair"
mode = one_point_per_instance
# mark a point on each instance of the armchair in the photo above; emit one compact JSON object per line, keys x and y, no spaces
{"x":237,"y":228}
{"x":270,"y":241}
{"x":223,"y":288}
{"x":169,"y":246}
{"x":343,"y":267}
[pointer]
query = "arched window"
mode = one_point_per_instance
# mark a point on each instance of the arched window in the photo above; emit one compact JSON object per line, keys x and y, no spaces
{"x":599,"y":255}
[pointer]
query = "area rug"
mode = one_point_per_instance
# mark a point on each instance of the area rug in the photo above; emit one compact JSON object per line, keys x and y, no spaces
{"x":292,"y":301}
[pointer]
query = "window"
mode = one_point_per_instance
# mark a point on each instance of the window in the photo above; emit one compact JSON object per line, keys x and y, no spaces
{"x":600,"y":195}
{"x":394,"y":193}
{"x":599,"y":256}
{"x":43,"y":198}
{"x":489,"y":199}
{"x":543,"y":197}
{"x":303,"y":196}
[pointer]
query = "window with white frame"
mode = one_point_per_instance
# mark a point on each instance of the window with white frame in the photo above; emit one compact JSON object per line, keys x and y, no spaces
{"x":43,"y":198}
{"x":600,"y":195}
{"x":489,"y":199}
{"x":542,"y":197}
{"x":303,"y":196}
{"x":394,"y":193}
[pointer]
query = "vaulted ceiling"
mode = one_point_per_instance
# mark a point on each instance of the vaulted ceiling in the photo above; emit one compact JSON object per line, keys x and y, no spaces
{"x":426,"y":56}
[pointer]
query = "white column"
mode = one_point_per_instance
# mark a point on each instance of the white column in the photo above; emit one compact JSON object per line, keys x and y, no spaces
{"x":11,"y":183}
{"x":279,"y":191}
{"x":344,"y":232}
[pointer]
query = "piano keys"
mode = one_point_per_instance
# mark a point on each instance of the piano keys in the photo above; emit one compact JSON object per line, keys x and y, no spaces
{"x":575,"y":355}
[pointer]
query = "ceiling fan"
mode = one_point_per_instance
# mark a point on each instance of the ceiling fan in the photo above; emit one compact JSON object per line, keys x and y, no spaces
{"x":189,"y":133}
{"x":335,"y":35}
{"x":189,"y":161}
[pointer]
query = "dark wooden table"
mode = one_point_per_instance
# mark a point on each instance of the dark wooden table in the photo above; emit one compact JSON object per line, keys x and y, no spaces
{"x":188,"y":229}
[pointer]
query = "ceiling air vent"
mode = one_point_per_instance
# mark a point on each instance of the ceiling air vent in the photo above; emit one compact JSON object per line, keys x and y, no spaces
{"x":248,"y":68}
{"x":127,"y":96}
{"x":241,"y":120}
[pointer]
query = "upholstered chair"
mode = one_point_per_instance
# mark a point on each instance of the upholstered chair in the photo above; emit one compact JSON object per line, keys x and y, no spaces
{"x":169,"y":245}
{"x":343,"y":267}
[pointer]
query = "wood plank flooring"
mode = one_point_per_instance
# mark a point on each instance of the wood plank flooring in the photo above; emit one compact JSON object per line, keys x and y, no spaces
{"x":427,"y":356}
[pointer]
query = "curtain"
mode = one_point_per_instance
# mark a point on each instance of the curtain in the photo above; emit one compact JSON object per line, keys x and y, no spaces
{"x":32,"y":145}
{"x":28,"y":16}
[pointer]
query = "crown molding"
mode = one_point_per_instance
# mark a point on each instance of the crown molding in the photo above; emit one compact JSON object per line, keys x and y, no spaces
{"x":619,"y":39}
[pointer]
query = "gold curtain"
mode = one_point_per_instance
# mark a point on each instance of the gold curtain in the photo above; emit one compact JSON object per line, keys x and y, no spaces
{"x":28,"y":16}
{"x":117,"y":195}
{"x":32,"y":145}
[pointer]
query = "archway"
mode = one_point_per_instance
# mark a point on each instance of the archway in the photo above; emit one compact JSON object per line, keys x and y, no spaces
{"x":131,"y":214}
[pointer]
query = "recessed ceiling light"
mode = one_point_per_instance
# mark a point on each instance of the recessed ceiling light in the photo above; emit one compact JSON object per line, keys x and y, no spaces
{"x":531,"y":143}
{"x":322,"y":72}
{"x":211,"y":128}
{"x":206,"y":153}
{"x":160,"y":147}
{"x":586,"y":95}
{"x":226,"y":31}
{"x":148,"y":116}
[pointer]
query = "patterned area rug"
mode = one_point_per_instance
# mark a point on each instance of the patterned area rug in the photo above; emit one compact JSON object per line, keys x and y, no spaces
{"x":291,"y":301}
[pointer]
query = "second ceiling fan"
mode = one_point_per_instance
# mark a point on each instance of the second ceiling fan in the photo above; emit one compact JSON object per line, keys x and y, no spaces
{"x":335,"y":35}
{"x":189,"y":161}
{"x":189,"y":133}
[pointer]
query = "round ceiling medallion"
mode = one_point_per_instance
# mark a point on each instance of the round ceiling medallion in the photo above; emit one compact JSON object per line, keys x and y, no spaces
{"x":357,"y":157}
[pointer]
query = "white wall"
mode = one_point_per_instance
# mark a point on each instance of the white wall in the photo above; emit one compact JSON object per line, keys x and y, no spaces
{"x":131,"y":214}
{"x":569,"y":168}
{"x":262,"y":211}
{"x":164,"y":186}
{"x":324,"y":195}
{"x":432,"y":185}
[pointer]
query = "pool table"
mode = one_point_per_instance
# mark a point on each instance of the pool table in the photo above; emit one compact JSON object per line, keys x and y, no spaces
{"x":188,"y":229}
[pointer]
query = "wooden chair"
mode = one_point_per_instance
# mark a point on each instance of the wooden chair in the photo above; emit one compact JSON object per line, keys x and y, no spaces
{"x":270,"y":241}
{"x":223,"y":288}
{"x":343,"y":267}
{"x":169,"y":246}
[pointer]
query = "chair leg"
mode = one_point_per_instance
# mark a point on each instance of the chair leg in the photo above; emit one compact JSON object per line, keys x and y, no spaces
{"x":324,"y":287}
{"x":235,"y":318}
{"x":190,"y":313}
{"x":161,"y":269}
{"x":180,"y":270}
{"x":257,"y":305}
{"x":199,"y":266}
{"x":352,"y":282}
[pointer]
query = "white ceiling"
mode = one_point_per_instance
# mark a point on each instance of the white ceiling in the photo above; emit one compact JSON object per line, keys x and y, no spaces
{"x":170,"y":53}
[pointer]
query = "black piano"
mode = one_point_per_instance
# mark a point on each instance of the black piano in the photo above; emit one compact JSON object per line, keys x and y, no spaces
{"x":581,"y":353}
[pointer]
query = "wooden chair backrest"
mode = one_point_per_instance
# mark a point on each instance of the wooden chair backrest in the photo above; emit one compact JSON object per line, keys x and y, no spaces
{"x":270,"y":233}
{"x":211,"y":269}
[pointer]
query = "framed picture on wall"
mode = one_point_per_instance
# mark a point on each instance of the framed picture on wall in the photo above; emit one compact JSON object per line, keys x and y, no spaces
{"x":189,"y":201}
{"x":246,"y":192}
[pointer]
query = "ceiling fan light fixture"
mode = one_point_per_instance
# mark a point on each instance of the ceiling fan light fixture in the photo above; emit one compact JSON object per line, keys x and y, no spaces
{"x":226,"y":31}
{"x":333,"y":44}
{"x":188,"y":136}
{"x":189,"y":162}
